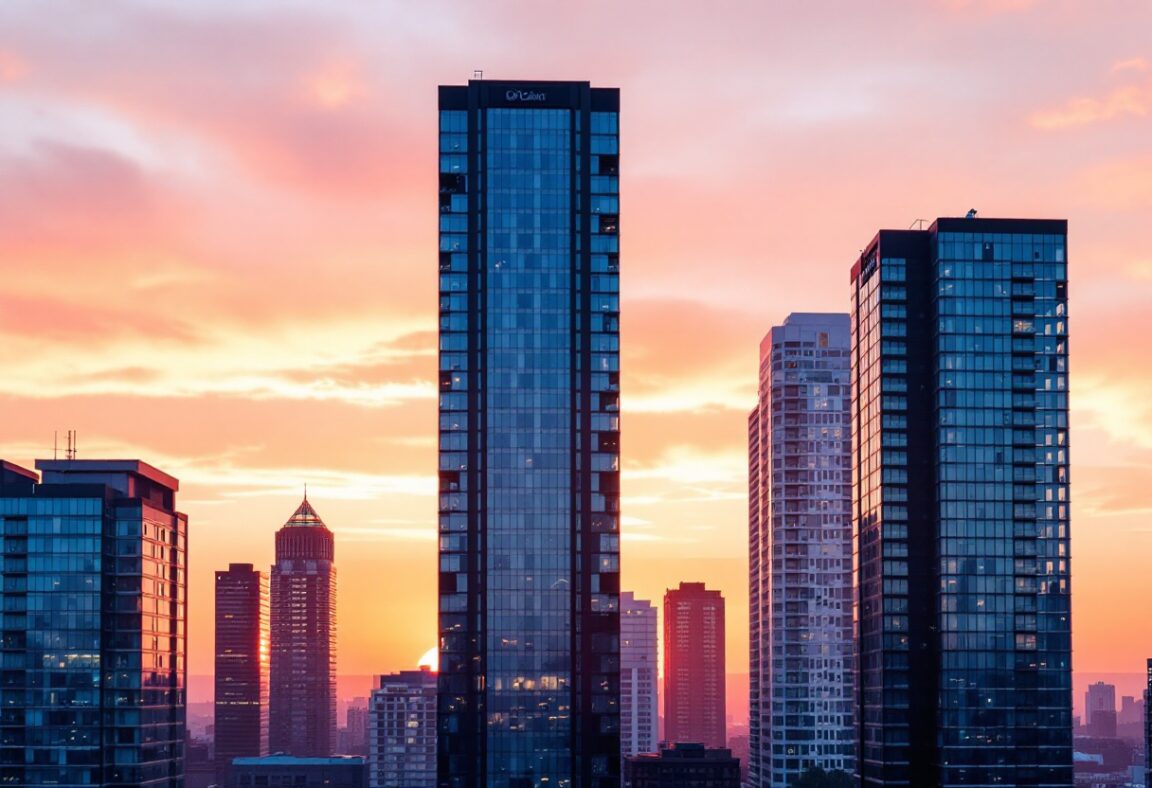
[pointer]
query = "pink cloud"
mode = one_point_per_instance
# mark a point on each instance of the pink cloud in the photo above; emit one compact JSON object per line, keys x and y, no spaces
{"x":12,"y":67}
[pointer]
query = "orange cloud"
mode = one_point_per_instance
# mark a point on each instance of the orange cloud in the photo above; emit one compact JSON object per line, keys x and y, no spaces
{"x":1131,"y":64}
{"x":1126,"y":101}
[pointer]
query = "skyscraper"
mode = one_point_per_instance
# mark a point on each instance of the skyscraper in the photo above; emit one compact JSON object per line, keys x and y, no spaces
{"x":94,"y":562}
{"x":694,"y":678}
{"x":529,"y":435}
{"x":302,"y":700}
{"x":639,"y":699}
{"x":800,"y":553}
{"x":402,"y":731}
{"x":242,"y":644}
{"x":960,"y":427}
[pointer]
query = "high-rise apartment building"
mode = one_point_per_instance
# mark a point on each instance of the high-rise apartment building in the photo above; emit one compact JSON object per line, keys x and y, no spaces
{"x":93,"y":644}
{"x":402,"y":731}
{"x":529,"y":435}
{"x":960,"y":428}
{"x":302,"y":700}
{"x":800,"y":553}
{"x":694,"y":677}
{"x":639,"y":680}
{"x":242,"y":652}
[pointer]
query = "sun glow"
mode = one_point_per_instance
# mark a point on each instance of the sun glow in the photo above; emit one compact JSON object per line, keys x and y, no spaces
{"x":431,"y":659}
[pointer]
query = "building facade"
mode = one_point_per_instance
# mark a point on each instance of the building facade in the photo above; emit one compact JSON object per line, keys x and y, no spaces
{"x":800,"y":553}
{"x":694,"y":678}
{"x":241,"y":679}
{"x":960,"y":426}
{"x":529,"y":462}
{"x":302,"y":697}
{"x":93,"y":647}
{"x":1148,"y":728}
{"x":402,"y":731}
{"x":639,"y":680}
{"x":288,"y":771}
{"x":683,"y":766}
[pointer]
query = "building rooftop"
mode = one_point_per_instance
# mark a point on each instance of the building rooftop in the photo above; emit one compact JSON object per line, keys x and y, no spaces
{"x":305,"y":516}
{"x":12,"y":469}
{"x":290,"y":760}
{"x":54,"y":470}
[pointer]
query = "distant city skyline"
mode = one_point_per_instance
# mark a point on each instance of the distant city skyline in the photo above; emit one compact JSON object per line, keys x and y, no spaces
{"x":207,"y":281}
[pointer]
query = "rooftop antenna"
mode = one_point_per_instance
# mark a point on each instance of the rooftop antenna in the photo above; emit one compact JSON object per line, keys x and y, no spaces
{"x":917,"y":224}
{"x":70,"y":452}
{"x":478,"y":73}
{"x":305,"y":492}
{"x":55,"y":443}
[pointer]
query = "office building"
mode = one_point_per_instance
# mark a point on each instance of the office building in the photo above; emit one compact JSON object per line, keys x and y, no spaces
{"x":694,"y":678}
{"x":683,"y":766}
{"x":960,"y":427}
{"x":1100,"y":710}
{"x":93,"y":645}
{"x":800,"y":553}
{"x":302,"y":700}
{"x":288,"y":771}
{"x":639,"y":698}
{"x":241,"y":701}
{"x":529,"y":462}
{"x":402,"y":731}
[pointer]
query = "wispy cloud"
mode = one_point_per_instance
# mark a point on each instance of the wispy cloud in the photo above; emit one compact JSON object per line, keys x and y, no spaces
{"x":1131,"y":64}
{"x":1122,"y":102}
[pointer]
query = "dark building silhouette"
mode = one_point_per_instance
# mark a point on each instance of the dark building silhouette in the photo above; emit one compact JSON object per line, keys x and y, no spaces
{"x":286,"y":771}
{"x":302,"y":700}
{"x":800,"y":553}
{"x":242,"y":654}
{"x":1100,"y":710}
{"x":94,"y":565}
{"x":683,"y":766}
{"x":960,"y":426}
{"x":694,"y":677}
{"x":1148,"y":728}
{"x":529,"y":463}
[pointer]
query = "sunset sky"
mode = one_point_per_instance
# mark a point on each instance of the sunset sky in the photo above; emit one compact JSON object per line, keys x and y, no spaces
{"x":218,"y":254}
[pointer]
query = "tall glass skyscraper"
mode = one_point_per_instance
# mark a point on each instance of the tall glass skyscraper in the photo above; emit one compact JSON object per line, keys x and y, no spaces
{"x":93,"y":649}
{"x":242,"y":653}
{"x":529,"y":435}
{"x":302,"y":691}
{"x":800,"y":553}
{"x":960,"y":426}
